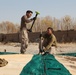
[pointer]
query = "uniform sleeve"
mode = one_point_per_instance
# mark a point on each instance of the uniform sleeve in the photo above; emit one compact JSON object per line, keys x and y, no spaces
{"x":51,"y":42}
{"x":25,"y":19}
{"x":44,"y":36}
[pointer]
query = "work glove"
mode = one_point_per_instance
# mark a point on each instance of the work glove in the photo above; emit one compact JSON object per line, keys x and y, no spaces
{"x":40,"y":35}
{"x":34,"y":18}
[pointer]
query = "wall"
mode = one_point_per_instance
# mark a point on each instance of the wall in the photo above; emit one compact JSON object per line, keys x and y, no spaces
{"x":61,"y":36}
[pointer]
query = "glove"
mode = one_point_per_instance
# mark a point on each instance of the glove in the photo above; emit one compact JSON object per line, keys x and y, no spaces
{"x":40,"y":35}
{"x":34,"y":18}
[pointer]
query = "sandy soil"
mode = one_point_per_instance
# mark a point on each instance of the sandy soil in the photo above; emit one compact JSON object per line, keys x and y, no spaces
{"x":17,"y":61}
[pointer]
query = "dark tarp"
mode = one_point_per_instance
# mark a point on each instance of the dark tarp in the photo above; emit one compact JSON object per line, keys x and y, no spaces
{"x":6,"y":53}
{"x":44,"y":65}
{"x":69,"y":54}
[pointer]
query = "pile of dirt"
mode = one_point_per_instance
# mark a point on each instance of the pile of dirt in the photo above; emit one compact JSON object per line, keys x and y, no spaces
{"x":3,"y":62}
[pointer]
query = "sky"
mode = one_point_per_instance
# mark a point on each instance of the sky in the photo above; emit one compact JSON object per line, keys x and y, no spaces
{"x":13,"y":10}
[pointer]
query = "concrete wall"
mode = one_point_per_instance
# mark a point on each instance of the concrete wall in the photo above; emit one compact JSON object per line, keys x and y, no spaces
{"x":61,"y":36}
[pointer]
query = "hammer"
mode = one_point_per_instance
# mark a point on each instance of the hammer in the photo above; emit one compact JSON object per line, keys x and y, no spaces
{"x":37,"y":13}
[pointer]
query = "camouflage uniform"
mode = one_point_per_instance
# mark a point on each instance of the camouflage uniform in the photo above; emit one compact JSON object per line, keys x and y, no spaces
{"x":49,"y":43}
{"x":23,"y":33}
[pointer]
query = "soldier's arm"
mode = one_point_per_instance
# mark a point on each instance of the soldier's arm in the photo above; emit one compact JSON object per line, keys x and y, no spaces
{"x":51,"y":43}
{"x":25,"y":19}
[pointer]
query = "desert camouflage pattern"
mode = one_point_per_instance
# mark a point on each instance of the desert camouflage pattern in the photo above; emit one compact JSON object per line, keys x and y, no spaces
{"x":24,"y":40}
{"x":49,"y":44}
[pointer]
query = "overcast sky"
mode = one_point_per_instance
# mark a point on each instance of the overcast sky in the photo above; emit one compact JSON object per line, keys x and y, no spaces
{"x":12,"y":10}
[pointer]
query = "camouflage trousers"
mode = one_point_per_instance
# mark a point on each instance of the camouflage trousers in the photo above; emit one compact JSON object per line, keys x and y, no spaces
{"x":24,"y":40}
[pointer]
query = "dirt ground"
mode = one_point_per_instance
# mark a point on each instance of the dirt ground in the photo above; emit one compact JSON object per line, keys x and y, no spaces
{"x":17,"y":61}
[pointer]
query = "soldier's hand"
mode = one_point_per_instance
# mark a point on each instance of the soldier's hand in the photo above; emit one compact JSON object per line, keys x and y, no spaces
{"x":40,"y":35}
{"x":34,"y":18}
